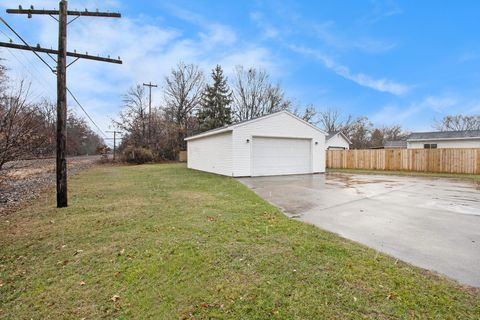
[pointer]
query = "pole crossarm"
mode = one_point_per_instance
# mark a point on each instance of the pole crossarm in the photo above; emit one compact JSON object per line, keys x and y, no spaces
{"x":85,"y":13}
{"x":61,"y":16}
{"x":52,"y":51}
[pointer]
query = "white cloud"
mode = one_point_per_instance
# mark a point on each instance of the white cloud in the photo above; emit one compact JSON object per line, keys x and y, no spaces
{"x":333,"y":38}
{"x":383,"y":85}
{"x":411,"y":115}
{"x":382,"y":9}
{"x":148,"y":49}
{"x":268,"y":30}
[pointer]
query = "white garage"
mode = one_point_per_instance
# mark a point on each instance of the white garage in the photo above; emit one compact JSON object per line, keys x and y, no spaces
{"x":276,"y":144}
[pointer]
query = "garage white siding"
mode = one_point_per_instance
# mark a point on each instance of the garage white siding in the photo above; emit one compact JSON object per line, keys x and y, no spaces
{"x":273,"y":156}
{"x":212,"y":154}
{"x":278,"y":125}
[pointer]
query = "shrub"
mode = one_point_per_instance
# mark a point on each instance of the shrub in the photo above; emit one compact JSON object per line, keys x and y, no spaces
{"x":137,"y":155}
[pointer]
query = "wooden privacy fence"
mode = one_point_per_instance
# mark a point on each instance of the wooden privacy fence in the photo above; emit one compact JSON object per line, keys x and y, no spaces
{"x":182,"y":156}
{"x":426,"y":160}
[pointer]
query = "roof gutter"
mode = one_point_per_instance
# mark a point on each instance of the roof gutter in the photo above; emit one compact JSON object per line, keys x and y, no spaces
{"x":440,"y":139}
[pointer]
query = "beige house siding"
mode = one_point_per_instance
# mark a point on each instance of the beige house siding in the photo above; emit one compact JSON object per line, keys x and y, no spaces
{"x":451,"y":143}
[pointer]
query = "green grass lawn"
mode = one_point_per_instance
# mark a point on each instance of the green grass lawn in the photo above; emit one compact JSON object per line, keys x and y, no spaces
{"x":164,"y":242}
{"x":464,"y":176}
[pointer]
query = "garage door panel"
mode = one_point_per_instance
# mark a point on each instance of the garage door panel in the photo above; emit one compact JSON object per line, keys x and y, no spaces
{"x":278,"y":156}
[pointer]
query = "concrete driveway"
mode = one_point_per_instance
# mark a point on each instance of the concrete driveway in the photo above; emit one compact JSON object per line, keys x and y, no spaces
{"x":432,"y":223}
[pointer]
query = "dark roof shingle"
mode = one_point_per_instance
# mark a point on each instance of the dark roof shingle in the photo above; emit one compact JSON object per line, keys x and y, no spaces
{"x":445,"y":135}
{"x":396,"y":144}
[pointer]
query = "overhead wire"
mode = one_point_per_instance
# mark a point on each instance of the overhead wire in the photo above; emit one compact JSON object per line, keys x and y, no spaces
{"x":51,"y":69}
{"x":81,"y":107}
{"x":34,"y":76}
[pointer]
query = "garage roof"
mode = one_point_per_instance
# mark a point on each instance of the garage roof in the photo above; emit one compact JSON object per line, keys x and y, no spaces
{"x":244,"y":122}
{"x":466,"y":134}
{"x":333,"y":134}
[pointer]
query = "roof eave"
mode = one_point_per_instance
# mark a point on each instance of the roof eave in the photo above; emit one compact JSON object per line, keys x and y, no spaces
{"x":208,"y":134}
{"x":439,"y":139}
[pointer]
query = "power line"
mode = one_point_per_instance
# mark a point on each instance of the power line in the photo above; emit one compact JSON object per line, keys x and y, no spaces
{"x":61,"y":71}
{"x":69,"y":91}
{"x":86,"y":113}
{"x":28,"y":70}
{"x":39,"y":57}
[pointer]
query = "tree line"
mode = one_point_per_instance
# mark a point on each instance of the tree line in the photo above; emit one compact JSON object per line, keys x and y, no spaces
{"x":192,"y":104}
{"x":28,"y":128}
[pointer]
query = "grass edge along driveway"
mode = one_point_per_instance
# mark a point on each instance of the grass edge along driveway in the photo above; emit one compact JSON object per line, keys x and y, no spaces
{"x":165,"y":242}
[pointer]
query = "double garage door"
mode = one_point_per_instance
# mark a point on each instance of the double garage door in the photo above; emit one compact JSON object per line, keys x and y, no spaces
{"x":279,"y":156}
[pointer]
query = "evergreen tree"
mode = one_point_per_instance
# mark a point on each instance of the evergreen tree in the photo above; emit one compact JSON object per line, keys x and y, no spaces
{"x":215,"y":111}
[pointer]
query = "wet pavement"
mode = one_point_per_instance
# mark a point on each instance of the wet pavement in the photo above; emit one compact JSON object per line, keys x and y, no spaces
{"x":433,"y":223}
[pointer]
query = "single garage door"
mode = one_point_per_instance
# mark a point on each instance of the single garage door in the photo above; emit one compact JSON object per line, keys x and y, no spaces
{"x":278,"y":156}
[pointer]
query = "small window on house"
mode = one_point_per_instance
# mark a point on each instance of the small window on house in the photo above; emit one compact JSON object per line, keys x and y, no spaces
{"x":433,"y":146}
{"x":430,"y":146}
{"x":426,"y":146}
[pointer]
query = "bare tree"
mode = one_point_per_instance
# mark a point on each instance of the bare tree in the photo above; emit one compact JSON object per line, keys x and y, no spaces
{"x":360,"y":133}
{"x":134,"y":115}
{"x":394,"y":133}
{"x":254,"y":95}
{"x":183,"y":93}
{"x":21,"y":126}
{"x":332,"y":121}
{"x":309,"y":114}
{"x":457,"y":123}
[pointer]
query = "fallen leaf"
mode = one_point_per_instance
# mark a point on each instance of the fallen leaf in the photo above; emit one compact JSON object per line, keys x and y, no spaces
{"x":82,"y":283}
{"x":121,"y":252}
{"x":355,"y":299}
{"x":391,"y":296}
{"x":115,"y":298}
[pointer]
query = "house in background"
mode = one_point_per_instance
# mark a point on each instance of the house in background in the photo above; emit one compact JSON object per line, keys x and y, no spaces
{"x":337,"y":141}
{"x":275,"y":144}
{"x":444,"y":139}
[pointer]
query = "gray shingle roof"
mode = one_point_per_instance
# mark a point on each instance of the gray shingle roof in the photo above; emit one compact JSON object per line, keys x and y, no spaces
{"x":334,"y":133}
{"x":396,"y":144}
{"x":331,"y":134}
{"x":445,"y":135}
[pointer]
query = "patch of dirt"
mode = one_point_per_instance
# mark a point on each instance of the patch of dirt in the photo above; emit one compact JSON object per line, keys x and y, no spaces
{"x":24,"y":180}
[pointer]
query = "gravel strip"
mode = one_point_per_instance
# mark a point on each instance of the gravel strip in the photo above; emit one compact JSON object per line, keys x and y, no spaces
{"x":26,"y":179}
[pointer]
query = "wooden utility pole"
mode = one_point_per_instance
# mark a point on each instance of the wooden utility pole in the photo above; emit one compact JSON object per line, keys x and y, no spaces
{"x":62,"y":194}
{"x":114,"y":141}
{"x":61,"y":72}
{"x":150,"y":86}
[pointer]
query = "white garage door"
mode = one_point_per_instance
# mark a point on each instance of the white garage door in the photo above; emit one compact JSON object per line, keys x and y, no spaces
{"x":277,"y":156}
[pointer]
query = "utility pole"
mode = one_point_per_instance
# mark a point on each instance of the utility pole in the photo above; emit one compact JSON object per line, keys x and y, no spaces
{"x":114,"y":141}
{"x":60,"y":71}
{"x":62,"y":193}
{"x":150,"y":86}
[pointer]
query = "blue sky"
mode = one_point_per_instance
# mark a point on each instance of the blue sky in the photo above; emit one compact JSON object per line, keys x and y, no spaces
{"x":397,"y":62}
